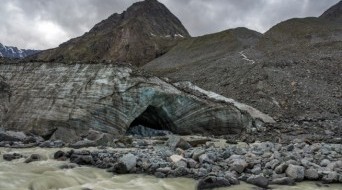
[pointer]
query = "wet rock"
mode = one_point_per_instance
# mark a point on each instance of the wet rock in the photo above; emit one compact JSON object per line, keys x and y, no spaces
{"x":311,"y":174}
{"x":212,"y":182}
{"x":60,"y":155}
{"x":330,"y":177}
{"x":325,"y":163}
{"x":125,"y":164}
{"x":281,"y":168}
{"x":197,"y":153}
{"x":295,"y":172}
{"x":12,"y":136}
{"x":204,"y":158}
{"x":68,"y":166}
{"x":192,"y":163}
{"x":181,"y":171}
{"x":177,"y":142}
{"x":239,"y":165}
{"x":160,"y":175}
{"x":258,"y":180}
{"x":283,"y":181}
{"x":34,"y":158}
{"x":66,"y":135}
{"x":83,"y":144}
{"x":82,"y":159}
{"x":198,"y":142}
{"x":10,"y":157}
{"x":231,"y":177}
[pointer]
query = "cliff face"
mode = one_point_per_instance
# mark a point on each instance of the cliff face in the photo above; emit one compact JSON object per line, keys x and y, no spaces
{"x":143,"y":32}
{"x":109,"y":98}
{"x":4,"y":98}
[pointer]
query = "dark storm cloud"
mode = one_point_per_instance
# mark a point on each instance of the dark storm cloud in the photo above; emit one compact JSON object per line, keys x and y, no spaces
{"x":44,"y":24}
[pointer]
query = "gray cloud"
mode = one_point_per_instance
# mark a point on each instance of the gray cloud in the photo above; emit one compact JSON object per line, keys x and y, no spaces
{"x":42,"y":24}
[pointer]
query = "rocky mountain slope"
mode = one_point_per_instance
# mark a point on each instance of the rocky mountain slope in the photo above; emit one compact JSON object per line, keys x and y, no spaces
{"x":143,"y":32}
{"x":14,"y":52}
{"x":49,"y":98}
{"x":292,"y":72}
{"x":334,"y":13}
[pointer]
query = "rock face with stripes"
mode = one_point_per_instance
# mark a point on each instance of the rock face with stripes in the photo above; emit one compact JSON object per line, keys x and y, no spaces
{"x":111,"y":98}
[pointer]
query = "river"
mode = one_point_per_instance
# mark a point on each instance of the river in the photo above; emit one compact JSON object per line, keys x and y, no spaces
{"x":45,"y":175}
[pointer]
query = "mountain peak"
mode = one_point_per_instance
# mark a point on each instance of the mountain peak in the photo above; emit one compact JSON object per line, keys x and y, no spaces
{"x":334,"y":13}
{"x":146,"y":30}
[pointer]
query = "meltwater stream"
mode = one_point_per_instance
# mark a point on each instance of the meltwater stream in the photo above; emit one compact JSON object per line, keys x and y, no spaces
{"x":46,"y":175}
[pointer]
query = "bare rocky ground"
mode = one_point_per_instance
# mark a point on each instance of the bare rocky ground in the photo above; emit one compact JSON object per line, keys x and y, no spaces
{"x":214,"y":162}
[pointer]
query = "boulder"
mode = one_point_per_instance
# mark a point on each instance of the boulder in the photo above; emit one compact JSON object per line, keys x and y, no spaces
{"x":34,"y":158}
{"x":66,"y":135}
{"x":177,"y":142}
{"x":125,"y":164}
{"x":295,"y":172}
{"x":10,"y":157}
{"x":83,"y":144}
{"x":12,"y":136}
{"x":258,"y":180}
{"x":311,"y":174}
{"x":197,"y":153}
{"x":283,"y":181}
{"x":211,"y":182}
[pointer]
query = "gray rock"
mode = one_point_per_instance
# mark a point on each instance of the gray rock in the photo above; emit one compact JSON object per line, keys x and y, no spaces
{"x":181,"y":163}
{"x":82,"y":159}
{"x":212,"y":182}
{"x":181,"y":171}
{"x":177,"y":142}
{"x":231,"y":177}
{"x":311,"y":174}
{"x":83,"y":144}
{"x":66,"y":135}
{"x":34,"y":158}
{"x":239,"y":165}
{"x":10,"y":157}
{"x":204,"y":158}
{"x":197,"y":153}
{"x":281,"y":168}
{"x":258,"y":180}
{"x":325,"y":163}
{"x":192,"y":163}
{"x":12,"y":136}
{"x":165,"y":170}
{"x":128,"y":161}
{"x":283,"y":181}
{"x":160,"y":175}
{"x":330,"y":177}
{"x":295,"y":172}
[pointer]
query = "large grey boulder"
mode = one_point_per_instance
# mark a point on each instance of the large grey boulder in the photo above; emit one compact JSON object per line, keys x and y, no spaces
{"x":109,"y":98}
{"x":295,"y":172}
{"x":258,"y":180}
{"x":125,"y":164}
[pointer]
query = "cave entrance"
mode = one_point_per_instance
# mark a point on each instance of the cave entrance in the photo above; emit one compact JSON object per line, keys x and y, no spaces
{"x":153,"y":121}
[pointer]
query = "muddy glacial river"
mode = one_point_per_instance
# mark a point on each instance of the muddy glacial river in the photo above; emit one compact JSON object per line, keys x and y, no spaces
{"x":46,"y":175}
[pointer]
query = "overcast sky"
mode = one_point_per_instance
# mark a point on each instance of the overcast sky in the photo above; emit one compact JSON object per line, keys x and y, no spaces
{"x":42,"y":24}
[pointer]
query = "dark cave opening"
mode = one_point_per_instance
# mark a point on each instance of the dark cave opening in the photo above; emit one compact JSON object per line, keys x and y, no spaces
{"x":154,"y":121}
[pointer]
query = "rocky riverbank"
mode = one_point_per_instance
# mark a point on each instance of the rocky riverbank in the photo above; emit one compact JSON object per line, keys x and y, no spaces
{"x":214,"y":162}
